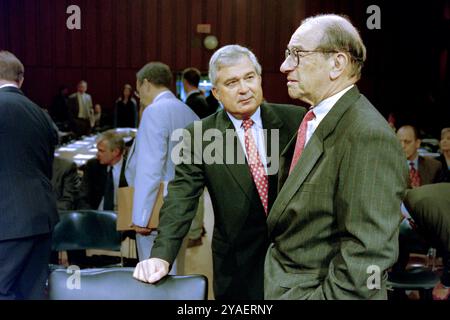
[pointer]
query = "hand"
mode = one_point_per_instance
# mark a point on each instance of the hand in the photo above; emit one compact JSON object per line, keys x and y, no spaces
{"x":151,"y":270}
{"x":440,"y":292}
{"x":141,"y":230}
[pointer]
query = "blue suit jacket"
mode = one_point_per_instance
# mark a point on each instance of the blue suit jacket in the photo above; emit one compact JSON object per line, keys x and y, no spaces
{"x":152,"y":156}
{"x":27,"y":141}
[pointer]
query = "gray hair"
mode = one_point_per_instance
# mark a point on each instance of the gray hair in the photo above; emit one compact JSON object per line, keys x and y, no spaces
{"x":227,"y":56}
{"x":340,"y":35}
{"x":11,"y":69}
{"x":114,"y":140}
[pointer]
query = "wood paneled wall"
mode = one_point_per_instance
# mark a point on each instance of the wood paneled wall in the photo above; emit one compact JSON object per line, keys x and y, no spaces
{"x":117,"y":37}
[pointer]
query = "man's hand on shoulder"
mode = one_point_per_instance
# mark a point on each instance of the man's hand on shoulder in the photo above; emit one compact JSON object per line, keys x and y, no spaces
{"x":151,"y":270}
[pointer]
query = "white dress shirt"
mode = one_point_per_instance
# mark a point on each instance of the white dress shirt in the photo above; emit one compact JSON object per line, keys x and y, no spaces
{"x":257,"y":131}
{"x":321,"y":110}
{"x":9,"y":85}
{"x":116,"y":180}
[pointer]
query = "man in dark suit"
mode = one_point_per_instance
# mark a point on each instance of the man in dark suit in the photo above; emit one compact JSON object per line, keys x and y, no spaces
{"x":194,"y":97}
{"x":334,"y":225}
{"x":66,"y":183}
{"x":242,"y":157}
{"x":422,"y":170}
{"x":197,"y":102}
{"x":27,"y":204}
{"x":104,"y":174}
{"x":102,"y":177}
{"x":429,"y":207}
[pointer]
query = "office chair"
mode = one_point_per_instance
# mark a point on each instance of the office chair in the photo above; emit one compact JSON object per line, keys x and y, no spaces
{"x":119,"y":284}
{"x":87,"y":229}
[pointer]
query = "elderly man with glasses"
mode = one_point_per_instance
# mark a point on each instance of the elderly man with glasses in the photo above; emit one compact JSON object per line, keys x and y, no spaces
{"x":334,"y":224}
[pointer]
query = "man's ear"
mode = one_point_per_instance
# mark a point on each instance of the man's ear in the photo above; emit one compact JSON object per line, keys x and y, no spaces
{"x":215,"y":93}
{"x":418,"y":143}
{"x":339,"y":63}
{"x":116,"y":152}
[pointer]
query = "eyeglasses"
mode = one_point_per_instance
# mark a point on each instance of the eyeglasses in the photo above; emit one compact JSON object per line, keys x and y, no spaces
{"x":294,"y":54}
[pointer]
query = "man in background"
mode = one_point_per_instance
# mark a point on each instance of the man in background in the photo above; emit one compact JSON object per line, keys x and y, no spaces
{"x":104,"y":174}
{"x":422,"y":170}
{"x":27,"y":203}
{"x":429,"y":208}
{"x":195,"y":99}
{"x":66,"y":183}
{"x":153,"y":164}
{"x":81,"y":110}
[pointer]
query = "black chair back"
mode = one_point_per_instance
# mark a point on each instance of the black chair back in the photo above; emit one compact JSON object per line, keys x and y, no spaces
{"x":86,"y":229}
{"x":119,"y":284}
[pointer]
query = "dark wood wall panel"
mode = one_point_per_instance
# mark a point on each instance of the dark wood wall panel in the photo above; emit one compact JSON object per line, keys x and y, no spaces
{"x":121,"y":38}
{"x":135,"y":32}
{"x":195,"y":45}
{"x":182,"y":36}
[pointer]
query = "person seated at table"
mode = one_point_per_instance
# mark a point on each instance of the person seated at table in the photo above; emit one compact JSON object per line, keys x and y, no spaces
{"x":429,"y":208}
{"x":104,"y":174}
{"x":422,"y":170}
{"x":102,"y":177}
{"x":65,"y":183}
{"x":444,"y":145}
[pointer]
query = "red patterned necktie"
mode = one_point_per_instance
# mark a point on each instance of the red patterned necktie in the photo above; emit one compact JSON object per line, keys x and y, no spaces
{"x":256,"y":166}
{"x":414,"y":176}
{"x":301,"y":138}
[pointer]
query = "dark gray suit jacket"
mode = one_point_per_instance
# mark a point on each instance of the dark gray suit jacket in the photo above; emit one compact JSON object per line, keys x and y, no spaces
{"x":336,"y":216}
{"x":27,"y":142}
{"x":430,"y":170}
{"x":239,"y":241}
{"x":66,"y":183}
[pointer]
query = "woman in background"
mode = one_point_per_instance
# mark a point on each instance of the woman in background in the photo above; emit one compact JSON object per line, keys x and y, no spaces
{"x":445,"y":154}
{"x":125,"y":113}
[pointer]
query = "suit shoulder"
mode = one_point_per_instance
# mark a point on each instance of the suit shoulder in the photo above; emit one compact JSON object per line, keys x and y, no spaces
{"x":288,"y":113}
{"x":432,"y":162}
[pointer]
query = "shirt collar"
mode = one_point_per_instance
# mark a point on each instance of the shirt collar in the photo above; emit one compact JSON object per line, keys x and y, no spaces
{"x":117,"y":166}
{"x":322,"y":109}
{"x":159,"y":96}
{"x":415,"y":161}
{"x":9,"y":85}
{"x":256,"y":117}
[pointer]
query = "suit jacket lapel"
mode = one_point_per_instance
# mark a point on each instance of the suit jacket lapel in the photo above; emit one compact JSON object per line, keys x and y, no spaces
{"x":272,"y":122}
{"x":240,"y":171}
{"x":311,"y":154}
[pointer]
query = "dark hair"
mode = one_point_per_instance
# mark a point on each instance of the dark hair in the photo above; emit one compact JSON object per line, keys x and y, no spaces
{"x":156,"y":73}
{"x":192,"y":76}
{"x":11,"y":69}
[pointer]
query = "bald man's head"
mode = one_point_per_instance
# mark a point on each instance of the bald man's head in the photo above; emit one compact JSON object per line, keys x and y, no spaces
{"x":408,"y":136}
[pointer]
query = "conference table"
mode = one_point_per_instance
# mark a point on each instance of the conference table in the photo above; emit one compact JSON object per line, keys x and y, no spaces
{"x":80,"y":151}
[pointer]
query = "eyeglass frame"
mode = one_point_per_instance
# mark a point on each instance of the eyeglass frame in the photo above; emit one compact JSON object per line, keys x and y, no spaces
{"x":288,"y":53}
